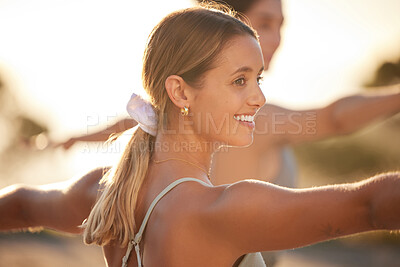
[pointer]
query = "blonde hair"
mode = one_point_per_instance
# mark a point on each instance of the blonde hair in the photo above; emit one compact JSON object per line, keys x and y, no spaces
{"x":185,"y":43}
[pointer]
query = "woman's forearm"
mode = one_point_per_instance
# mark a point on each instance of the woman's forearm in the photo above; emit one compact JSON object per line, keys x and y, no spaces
{"x":354,"y":112}
{"x":383,"y":199}
{"x":100,"y":136}
{"x":103,"y":135}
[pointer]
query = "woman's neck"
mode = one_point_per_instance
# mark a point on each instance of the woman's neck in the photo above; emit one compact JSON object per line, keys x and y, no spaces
{"x":187,"y":147}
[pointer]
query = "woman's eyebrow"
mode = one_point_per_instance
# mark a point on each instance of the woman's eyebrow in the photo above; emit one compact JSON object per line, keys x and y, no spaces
{"x":242,"y":69}
{"x":246,"y":69}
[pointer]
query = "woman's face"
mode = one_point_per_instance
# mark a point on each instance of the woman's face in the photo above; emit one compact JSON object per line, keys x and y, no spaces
{"x":266,"y":18}
{"x":223,"y":109}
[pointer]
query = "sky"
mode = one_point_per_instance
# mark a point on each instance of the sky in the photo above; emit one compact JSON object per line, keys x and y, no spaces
{"x":331,"y":48}
{"x":74,"y":64}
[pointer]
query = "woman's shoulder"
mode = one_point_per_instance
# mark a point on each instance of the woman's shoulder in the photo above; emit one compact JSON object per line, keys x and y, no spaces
{"x":191,"y":196}
{"x":234,"y":213}
{"x":181,"y":219}
{"x":218,"y":212}
{"x":195,"y":202}
{"x":201,"y":198}
{"x":184,"y":205}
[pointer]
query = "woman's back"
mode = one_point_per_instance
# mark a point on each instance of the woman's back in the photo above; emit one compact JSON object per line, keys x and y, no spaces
{"x":173,"y":235}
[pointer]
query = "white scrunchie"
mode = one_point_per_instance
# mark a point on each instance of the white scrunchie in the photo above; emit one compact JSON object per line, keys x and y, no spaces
{"x":142,"y":112}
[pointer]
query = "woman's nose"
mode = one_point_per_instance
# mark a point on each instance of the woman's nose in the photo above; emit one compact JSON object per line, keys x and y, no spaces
{"x":257,"y":99}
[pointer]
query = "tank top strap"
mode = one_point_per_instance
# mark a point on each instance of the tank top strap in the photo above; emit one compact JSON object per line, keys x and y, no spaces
{"x":138,"y":237}
{"x":139,"y":234}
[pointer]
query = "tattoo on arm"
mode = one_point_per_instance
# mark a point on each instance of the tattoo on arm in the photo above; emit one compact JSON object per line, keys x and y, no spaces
{"x":330,"y":231}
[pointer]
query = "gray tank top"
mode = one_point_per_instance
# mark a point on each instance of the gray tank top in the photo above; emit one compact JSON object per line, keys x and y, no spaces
{"x":287,"y":175}
{"x":250,"y":260}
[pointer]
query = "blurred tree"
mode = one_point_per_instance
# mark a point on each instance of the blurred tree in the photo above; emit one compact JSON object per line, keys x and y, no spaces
{"x":28,"y":128}
{"x":2,"y":93}
{"x":388,"y":73}
{"x":15,"y":127}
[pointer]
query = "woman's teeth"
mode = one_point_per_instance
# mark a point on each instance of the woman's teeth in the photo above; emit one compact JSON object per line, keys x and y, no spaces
{"x":247,"y":118}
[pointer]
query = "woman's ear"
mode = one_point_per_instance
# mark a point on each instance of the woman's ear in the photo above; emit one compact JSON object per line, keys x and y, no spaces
{"x":175,"y":87}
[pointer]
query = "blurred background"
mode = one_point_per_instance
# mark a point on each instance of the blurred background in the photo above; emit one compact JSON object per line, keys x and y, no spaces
{"x":69,"y":67}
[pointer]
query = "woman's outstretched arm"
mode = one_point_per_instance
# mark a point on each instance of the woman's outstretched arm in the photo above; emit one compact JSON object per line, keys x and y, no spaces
{"x":277,"y":125}
{"x":100,"y":136}
{"x":60,"y":206}
{"x":258,"y":216}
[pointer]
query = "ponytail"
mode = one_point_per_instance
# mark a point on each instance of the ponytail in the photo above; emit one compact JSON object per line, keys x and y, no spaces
{"x":112,"y":217}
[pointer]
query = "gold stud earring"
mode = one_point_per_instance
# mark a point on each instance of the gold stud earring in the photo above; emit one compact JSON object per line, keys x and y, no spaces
{"x":184,"y":111}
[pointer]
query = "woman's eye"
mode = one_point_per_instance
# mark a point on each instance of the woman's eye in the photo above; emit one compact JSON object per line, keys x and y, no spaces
{"x":260,"y":79}
{"x":240,"y":81}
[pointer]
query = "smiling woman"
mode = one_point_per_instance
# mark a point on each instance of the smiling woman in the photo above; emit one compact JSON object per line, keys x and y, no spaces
{"x":232,"y":89}
{"x":158,"y":201}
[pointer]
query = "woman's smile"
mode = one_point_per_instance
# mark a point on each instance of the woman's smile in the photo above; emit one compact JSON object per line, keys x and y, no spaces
{"x":246,"y":120}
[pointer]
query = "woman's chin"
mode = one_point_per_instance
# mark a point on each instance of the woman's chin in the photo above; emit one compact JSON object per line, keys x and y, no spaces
{"x":242,"y":142}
